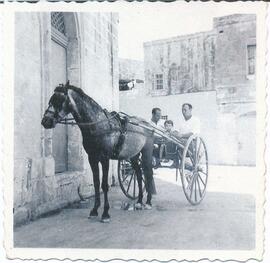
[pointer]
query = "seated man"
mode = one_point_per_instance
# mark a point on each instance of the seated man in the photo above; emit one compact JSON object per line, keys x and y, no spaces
{"x":191,"y":124}
{"x":157,"y":123}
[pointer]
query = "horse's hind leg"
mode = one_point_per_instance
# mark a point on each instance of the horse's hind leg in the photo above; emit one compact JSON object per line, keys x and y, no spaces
{"x":95,"y":170}
{"x":135,"y":165}
{"x":105,"y":187}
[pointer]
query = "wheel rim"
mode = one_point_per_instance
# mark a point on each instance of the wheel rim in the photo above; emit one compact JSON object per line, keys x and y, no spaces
{"x":128,"y":180}
{"x":194,"y":170}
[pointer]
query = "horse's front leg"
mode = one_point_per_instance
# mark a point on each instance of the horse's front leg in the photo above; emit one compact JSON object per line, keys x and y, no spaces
{"x":105,"y":187}
{"x":95,"y":170}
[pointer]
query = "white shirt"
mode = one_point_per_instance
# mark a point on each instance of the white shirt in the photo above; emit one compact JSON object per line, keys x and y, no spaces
{"x":192,"y":125}
{"x":159,"y":125}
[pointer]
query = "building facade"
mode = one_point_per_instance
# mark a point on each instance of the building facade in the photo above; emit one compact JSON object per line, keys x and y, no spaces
{"x":51,"y":48}
{"x":214,"y":71}
{"x":180,"y":65}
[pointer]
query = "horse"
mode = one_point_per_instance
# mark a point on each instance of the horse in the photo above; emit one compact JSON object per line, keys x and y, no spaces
{"x":105,"y":136}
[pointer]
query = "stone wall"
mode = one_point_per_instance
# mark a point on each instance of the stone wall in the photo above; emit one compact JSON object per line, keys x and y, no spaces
{"x":232,"y":81}
{"x":91,"y":66}
{"x":235,"y":86}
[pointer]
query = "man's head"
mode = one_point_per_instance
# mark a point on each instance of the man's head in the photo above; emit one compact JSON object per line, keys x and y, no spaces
{"x":187,"y":110}
{"x":168,"y":124}
{"x":156,"y":114}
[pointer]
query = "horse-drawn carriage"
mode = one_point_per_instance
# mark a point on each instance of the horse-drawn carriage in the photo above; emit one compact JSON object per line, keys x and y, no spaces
{"x":111,"y":135}
{"x":188,"y":156}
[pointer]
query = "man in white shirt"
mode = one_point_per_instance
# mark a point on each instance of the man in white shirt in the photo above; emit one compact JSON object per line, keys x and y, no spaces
{"x":147,"y":160}
{"x":156,"y":118}
{"x":157,"y":123}
{"x":191,"y":125}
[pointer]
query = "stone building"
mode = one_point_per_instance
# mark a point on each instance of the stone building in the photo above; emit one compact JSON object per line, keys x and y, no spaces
{"x":180,"y":64}
{"x":215,"y":72}
{"x":51,"y":48}
{"x":235,"y":83}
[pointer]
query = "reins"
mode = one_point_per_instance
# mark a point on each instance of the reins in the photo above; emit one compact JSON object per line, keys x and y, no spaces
{"x":70,"y":121}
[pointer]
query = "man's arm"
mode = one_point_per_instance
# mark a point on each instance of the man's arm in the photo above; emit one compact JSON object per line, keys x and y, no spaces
{"x":186,"y":135}
{"x":179,"y":135}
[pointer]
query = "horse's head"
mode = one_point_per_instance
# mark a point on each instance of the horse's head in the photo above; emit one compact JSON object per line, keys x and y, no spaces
{"x":58,"y":107}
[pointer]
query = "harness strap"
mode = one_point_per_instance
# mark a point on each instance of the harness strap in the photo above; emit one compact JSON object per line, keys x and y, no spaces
{"x":70,"y":121}
{"x":122,"y":137}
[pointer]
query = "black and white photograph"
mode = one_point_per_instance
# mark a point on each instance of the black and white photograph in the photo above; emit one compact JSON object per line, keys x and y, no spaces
{"x":137,"y":131}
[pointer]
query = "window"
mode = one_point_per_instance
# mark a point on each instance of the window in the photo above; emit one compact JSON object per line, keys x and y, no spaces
{"x":57,"y":22}
{"x":251,"y":57}
{"x":159,"y":81}
{"x":58,"y":29}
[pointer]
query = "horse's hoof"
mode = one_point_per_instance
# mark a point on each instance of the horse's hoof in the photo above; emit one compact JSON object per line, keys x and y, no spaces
{"x":138,"y":206}
{"x":105,"y":220}
{"x":92,"y":216}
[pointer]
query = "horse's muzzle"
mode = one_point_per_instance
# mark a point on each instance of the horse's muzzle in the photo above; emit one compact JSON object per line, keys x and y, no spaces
{"x":48,"y":122}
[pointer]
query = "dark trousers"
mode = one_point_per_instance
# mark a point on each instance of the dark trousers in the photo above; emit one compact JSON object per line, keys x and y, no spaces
{"x":147,"y":153}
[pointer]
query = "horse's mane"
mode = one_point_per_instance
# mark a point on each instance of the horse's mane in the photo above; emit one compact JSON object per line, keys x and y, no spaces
{"x":84,"y":96}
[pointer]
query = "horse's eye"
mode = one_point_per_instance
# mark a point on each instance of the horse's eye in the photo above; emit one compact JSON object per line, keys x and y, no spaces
{"x":56,"y":101}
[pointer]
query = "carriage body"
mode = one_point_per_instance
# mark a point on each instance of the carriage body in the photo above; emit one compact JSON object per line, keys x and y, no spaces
{"x":189,"y":158}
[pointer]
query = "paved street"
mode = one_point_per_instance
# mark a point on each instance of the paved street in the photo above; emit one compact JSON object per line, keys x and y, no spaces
{"x":224,"y":220}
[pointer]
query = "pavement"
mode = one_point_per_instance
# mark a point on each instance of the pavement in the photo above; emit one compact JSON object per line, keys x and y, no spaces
{"x":224,"y":220}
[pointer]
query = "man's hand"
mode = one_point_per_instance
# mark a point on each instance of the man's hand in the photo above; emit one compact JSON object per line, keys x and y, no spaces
{"x":155,"y":146}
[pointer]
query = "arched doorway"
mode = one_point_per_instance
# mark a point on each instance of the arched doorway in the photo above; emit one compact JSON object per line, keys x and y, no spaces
{"x":58,"y":73}
{"x":65,"y":65}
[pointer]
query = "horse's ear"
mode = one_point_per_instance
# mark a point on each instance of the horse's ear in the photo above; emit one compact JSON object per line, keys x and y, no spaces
{"x":67,"y":84}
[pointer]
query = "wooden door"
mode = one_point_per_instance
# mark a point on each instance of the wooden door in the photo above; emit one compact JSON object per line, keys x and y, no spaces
{"x":58,"y":76}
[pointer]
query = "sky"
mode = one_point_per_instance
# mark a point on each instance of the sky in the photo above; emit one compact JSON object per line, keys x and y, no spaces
{"x":167,"y":20}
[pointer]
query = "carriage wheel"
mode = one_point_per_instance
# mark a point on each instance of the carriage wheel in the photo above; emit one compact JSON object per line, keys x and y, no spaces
{"x":128,"y":179}
{"x":194,"y":169}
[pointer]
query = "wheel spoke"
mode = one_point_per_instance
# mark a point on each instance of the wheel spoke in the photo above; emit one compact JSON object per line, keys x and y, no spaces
{"x":196,"y":150}
{"x":199,"y":188}
{"x":130,"y":182}
{"x":199,"y":148}
{"x":134,"y":185}
{"x":201,"y":180}
{"x":195,"y":189}
{"x":189,"y":181}
{"x":203,"y":173}
{"x":191,"y":157}
{"x":191,"y":189}
{"x":126,"y":178}
{"x":200,"y":157}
